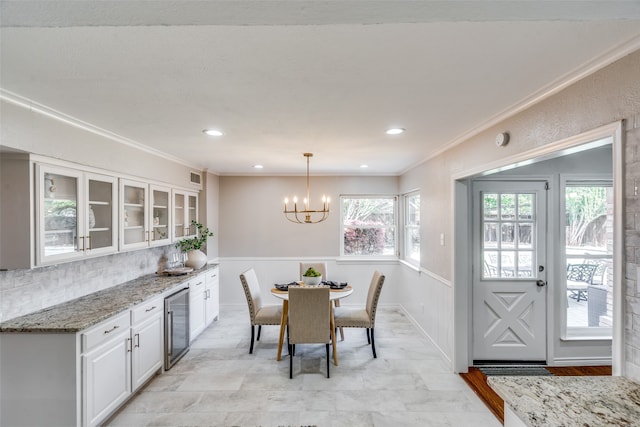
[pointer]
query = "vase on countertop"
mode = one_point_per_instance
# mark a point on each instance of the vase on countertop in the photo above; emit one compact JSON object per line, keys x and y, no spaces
{"x":196,"y":259}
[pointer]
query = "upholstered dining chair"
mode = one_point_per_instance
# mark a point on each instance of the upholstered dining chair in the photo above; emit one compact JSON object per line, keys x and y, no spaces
{"x":320,"y":267}
{"x":258,"y":313}
{"x":351,"y":317}
{"x":309,"y":319}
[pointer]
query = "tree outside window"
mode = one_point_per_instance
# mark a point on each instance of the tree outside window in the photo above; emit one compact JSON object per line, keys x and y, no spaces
{"x":369,"y":226}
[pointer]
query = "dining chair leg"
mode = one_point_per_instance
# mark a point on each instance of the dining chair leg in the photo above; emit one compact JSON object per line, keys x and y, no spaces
{"x":336,"y":303}
{"x":259,"y":330}
{"x":327,"y":347}
{"x":252,"y":333}
{"x":368,"y":339}
{"x":290,"y":361}
{"x":373,"y":345}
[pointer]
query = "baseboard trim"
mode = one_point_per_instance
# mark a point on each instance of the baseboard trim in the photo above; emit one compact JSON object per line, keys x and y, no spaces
{"x":581,"y":361}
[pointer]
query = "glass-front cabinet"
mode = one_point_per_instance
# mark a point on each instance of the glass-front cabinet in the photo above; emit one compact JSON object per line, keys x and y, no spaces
{"x":145,"y":215}
{"x":134,"y":232}
{"x":160,"y":219}
{"x":76,"y":215}
{"x":185,"y":211}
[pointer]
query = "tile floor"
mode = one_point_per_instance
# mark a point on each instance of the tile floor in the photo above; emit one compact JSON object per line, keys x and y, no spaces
{"x":218,"y":383}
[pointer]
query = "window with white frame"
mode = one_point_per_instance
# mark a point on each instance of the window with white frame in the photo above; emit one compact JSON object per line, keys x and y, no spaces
{"x":369,"y":226}
{"x":412,"y":228}
{"x":588,"y":250}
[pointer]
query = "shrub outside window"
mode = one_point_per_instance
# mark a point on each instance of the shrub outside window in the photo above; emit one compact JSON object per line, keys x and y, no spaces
{"x":412,"y":228}
{"x":369,"y":226}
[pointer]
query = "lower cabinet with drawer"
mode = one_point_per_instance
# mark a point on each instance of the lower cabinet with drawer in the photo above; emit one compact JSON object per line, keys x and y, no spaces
{"x":79,"y":378}
{"x":120,"y":355}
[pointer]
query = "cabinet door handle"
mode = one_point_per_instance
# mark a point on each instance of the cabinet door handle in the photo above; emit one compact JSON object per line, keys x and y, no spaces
{"x":137,"y":337}
{"x":88,"y":242}
{"x":128,"y":345}
{"x":170,"y":333}
{"x":150,"y":309}
{"x":112,"y":329}
{"x":147,"y":235}
{"x":80,"y":248}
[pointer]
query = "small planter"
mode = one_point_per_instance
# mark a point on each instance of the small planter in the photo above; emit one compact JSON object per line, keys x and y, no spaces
{"x":312,"y":281}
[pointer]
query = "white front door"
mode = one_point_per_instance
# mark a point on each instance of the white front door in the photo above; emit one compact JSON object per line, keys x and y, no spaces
{"x":509,"y":274}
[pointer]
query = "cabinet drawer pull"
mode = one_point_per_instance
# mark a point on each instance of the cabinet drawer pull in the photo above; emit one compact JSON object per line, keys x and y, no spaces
{"x":150,"y":309}
{"x":199,"y":283}
{"x":112,"y":329}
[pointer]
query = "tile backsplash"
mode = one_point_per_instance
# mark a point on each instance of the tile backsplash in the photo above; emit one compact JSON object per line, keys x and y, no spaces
{"x":26,"y":291}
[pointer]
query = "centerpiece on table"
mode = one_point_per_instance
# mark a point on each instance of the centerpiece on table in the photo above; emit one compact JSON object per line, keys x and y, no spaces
{"x":311,"y":277}
{"x":191,"y":245}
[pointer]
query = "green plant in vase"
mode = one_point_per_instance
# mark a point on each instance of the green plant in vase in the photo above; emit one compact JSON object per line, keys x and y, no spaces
{"x":311,"y":276}
{"x":193,"y":245}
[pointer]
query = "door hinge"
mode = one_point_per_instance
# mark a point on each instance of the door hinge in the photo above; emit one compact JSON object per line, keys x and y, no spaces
{"x":546,"y":186}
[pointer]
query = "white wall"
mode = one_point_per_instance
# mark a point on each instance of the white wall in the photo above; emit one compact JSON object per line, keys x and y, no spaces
{"x":607,"y":96}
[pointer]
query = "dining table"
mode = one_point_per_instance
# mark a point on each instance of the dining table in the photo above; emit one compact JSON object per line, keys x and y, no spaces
{"x":334,"y":294}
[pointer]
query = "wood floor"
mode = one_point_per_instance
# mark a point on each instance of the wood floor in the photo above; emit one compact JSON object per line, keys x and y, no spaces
{"x":478,"y":383}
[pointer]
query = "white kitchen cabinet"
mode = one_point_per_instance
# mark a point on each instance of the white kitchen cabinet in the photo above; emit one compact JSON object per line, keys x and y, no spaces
{"x":145,"y":215}
{"x":185,"y":211}
{"x":197,"y":302}
{"x":76,"y":214}
{"x":106,"y":370}
{"x":212,"y":295}
{"x":147,"y":341}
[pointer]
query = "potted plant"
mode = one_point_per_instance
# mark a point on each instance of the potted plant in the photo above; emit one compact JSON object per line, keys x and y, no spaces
{"x":192,"y":245}
{"x":312,"y":277}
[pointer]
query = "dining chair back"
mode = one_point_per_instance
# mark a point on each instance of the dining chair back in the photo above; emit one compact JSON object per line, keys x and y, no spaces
{"x":320,"y":267}
{"x":349,"y":317}
{"x":259,"y":314}
{"x":309,"y":319}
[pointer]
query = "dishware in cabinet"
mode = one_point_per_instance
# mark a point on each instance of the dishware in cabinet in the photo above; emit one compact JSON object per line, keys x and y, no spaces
{"x":134,"y":231}
{"x":185,"y":211}
{"x":76,"y":214}
{"x":160,"y":215}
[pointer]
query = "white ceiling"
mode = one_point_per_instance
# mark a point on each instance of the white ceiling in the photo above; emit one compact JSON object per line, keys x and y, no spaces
{"x":284,"y":77}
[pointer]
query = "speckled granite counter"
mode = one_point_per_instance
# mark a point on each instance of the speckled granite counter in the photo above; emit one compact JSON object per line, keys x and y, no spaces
{"x":571,"y":401}
{"x":83,"y":312}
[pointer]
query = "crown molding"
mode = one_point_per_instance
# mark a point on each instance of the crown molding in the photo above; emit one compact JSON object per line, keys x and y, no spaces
{"x":38,"y":108}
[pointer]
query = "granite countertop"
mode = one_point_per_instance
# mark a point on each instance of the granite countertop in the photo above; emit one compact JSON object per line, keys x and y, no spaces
{"x":86,"y":311}
{"x":571,"y":401}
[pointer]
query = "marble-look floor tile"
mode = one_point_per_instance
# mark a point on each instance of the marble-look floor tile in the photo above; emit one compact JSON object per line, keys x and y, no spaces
{"x":218,"y":383}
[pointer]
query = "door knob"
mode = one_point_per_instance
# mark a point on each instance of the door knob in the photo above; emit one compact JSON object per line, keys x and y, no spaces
{"x":541,"y":283}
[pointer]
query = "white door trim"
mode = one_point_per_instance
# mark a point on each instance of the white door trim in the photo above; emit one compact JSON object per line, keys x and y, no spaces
{"x":461,"y":230}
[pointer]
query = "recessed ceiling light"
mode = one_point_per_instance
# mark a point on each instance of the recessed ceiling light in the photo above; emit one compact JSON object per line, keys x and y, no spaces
{"x":364,"y":166}
{"x":395,"y":131}
{"x":258,"y":166}
{"x":213,"y":132}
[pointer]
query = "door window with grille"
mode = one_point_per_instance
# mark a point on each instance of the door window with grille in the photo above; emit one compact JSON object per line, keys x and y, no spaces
{"x":508,"y":226}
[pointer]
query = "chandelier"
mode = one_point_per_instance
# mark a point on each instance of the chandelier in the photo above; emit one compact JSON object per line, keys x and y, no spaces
{"x":306,"y":215}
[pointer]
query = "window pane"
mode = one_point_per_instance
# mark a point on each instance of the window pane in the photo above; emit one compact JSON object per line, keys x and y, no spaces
{"x":491,"y":268}
{"x":525,"y":236}
{"x":490,"y":235}
{"x":507,"y":265}
{"x":507,"y":206}
{"x":369,"y":241}
{"x":525,"y":206}
{"x":507,"y":235}
{"x":589,"y":253}
{"x":413,"y":244}
{"x":525,"y":264}
{"x":413,"y":210}
{"x":369,"y":226}
{"x":490,"y":206}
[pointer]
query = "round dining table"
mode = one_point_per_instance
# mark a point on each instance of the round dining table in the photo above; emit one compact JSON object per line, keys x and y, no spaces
{"x":334,"y":294}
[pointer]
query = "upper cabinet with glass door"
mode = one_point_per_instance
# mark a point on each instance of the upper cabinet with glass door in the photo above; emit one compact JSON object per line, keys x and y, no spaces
{"x":185,"y":211}
{"x":145,"y":215}
{"x":161,"y":215}
{"x":76,"y":214}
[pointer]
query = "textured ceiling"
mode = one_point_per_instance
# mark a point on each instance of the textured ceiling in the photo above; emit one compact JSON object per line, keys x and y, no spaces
{"x":284,"y":77}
